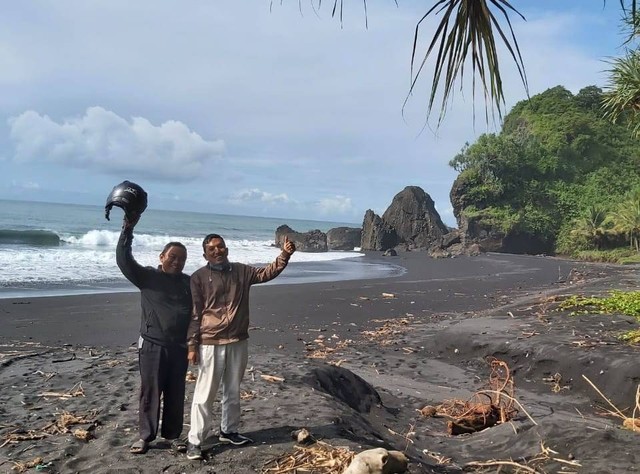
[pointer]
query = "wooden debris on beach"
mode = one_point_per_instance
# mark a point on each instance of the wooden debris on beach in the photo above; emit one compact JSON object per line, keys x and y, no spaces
{"x":323,"y":348}
{"x":19,"y":435}
{"x":387,"y":333}
{"x":630,"y":423}
{"x":60,"y":426}
{"x":319,"y":458}
{"x":82,"y":434}
{"x":555,"y":381}
{"x":67,"y":419}
{"x":25,"y":466}
{"x":485,"y":408}
{"x":533,"y":464}
{"x":75,"y":391}
{"x":272,"y":378}
{"x":248,"y":394}
{"x":111,"y":363}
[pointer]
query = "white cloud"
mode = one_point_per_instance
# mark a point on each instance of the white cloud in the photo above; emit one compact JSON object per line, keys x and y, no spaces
{"x":335,"y":205}
{"x":28,"y":185}
{"x":103,"y":141}
{"x":251,"y":196}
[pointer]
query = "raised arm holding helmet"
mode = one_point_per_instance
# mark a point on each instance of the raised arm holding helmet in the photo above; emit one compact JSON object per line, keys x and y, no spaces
{"x":165,"y":313}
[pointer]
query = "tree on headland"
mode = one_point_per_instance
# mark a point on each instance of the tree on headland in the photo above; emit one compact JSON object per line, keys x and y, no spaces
{"x":551,"y":172}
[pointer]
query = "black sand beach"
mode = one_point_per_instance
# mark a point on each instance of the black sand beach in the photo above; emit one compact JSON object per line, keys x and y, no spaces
{"x":419,"y":339}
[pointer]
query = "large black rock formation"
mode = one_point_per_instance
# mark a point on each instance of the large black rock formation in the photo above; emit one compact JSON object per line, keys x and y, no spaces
{"x":344,"y":238}
{"x":312,"y":241}
{"x":410,"y":222}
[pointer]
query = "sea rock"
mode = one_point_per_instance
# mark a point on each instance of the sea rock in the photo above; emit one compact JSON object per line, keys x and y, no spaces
{"x":344,"y":238}
{"x":413,"y":215}
{"x":376,"y":234}
{"x":311,"y":241}
{"x":450,"y":238}
{"x":411,"y":222}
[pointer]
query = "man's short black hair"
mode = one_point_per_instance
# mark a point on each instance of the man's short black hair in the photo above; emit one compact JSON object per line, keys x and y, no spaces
{"x":173,"y":244}
{"x":209,"y":238}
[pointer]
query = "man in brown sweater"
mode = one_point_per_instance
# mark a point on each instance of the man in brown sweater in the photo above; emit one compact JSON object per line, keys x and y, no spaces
{"x":218,"y":336}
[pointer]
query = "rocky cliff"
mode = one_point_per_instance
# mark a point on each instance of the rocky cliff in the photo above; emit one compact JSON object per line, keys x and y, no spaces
{"x":482,"y":232}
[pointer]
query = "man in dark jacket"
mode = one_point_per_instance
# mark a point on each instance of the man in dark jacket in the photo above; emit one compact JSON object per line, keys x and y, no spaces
{"x":162,"y":350}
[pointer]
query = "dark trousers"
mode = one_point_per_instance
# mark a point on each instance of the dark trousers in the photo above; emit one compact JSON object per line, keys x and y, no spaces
{"x":162,"y":373}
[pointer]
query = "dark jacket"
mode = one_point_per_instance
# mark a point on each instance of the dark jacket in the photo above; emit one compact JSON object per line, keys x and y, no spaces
{"x":165,"y":298}
{"x":221,"y":301}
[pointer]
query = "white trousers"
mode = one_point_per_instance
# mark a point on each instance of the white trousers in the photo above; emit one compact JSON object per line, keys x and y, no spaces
{"x":218,"y":365}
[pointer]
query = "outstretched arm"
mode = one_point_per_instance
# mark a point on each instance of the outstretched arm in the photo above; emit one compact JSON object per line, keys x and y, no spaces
{"x":265,"y":274}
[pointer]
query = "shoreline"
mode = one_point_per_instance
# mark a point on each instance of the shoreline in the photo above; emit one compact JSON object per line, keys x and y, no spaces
{"x":416,"y":339}
{"x":112,"y":318}
{"x":357,"y":267}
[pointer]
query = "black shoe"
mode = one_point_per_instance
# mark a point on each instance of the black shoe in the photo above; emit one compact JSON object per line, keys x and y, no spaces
{"x":193,"y":452}
{"x":234,"y":438}
{"x":178,"y":445}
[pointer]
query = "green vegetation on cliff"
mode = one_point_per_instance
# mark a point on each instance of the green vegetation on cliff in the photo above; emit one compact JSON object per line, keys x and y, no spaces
{"x":557,"y":173}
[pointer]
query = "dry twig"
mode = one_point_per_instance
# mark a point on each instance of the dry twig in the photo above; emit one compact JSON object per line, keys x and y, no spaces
{"x":631,"y":423}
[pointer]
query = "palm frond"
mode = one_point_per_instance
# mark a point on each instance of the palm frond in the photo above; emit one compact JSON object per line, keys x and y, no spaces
{"x":621,"y":103}
{"x":466,"y":32}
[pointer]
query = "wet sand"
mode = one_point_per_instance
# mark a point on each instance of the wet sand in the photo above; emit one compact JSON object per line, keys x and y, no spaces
{"x":413,"y":340}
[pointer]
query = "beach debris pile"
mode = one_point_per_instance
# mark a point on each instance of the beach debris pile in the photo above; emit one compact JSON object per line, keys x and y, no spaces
{"x":387,"y":334}
{"x":62,"y":425}
{"x":311,"y":455}
{"x":37,"y":463}
{"x":320,"y":458}
{"x":488,"y":407}
{"x":324,"y":347}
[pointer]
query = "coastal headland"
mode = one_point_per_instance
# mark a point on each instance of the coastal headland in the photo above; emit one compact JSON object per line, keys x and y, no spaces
{"x":354,"y":362}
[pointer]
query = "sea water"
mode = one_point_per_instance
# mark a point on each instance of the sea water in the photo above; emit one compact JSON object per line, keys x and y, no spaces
{"x":59,"y":249}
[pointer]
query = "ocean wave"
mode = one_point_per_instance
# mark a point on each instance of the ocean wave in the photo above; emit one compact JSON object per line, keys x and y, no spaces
{"x":107,"y":238}
{"x":38,"y":238}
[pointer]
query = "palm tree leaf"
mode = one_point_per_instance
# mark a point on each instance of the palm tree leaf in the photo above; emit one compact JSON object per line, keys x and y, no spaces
{"x":467,"y":35}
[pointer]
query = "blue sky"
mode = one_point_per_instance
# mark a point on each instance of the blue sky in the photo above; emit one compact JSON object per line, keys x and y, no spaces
{"x":250,"y":108}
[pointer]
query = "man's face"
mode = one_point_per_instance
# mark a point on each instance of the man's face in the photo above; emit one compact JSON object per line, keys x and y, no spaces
{"x":173,"y":260}
{"x":216,"y":251}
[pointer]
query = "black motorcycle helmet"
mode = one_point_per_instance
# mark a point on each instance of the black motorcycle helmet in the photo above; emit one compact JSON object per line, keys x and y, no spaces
{"x":128,"y":196}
